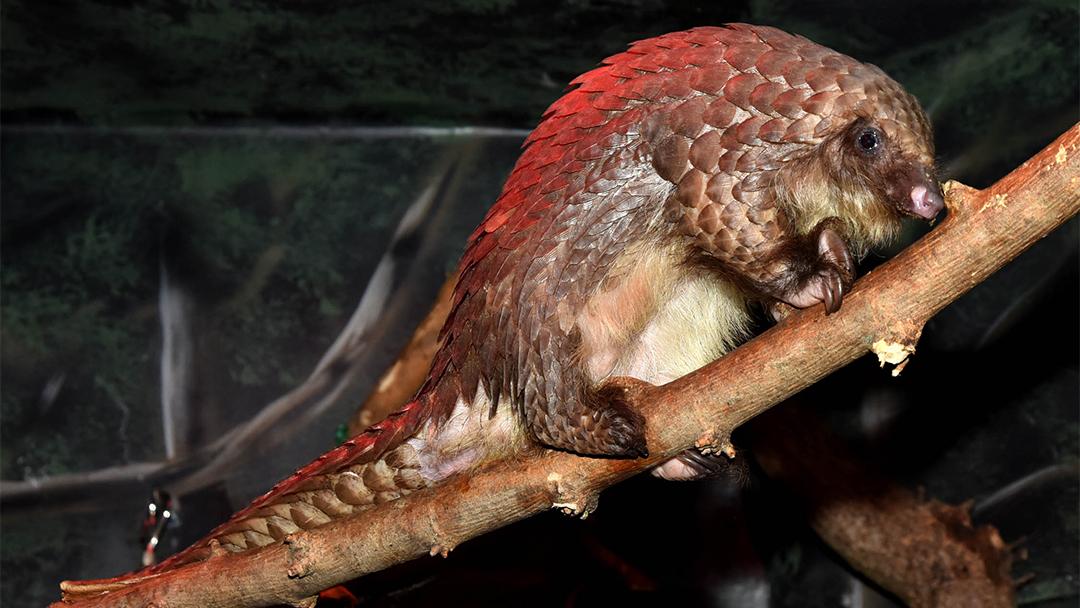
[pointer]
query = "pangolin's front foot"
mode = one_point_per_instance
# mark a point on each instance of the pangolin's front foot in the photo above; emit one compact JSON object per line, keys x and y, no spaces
{"x":831,"y":275}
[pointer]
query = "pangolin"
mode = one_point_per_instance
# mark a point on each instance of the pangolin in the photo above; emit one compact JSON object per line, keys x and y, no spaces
{"x":681,"y":180}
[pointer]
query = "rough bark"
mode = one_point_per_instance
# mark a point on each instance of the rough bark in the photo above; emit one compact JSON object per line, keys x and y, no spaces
{"x":926,"y":552}
{"x":885,"y":313}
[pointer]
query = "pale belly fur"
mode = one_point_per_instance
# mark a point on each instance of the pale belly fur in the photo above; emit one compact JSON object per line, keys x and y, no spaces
{"x":655,"y":322}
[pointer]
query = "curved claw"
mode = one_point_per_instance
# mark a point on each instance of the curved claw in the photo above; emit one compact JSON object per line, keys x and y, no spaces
{"x":834,"y":293}
{"x":825,"y":286}
{"x":692,"y":464}
{"x":827,"y":278}
{"x":705,"y":464}
{"x":833,"y":250}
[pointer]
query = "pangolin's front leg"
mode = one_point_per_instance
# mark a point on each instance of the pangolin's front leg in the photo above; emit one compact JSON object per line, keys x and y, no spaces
{"x":821,"y":272}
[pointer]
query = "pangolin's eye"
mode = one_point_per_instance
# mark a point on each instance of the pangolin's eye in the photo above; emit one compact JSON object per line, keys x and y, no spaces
{"x":869,"y":140}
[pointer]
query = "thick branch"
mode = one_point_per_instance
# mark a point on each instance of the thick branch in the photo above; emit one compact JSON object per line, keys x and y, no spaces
{"x":924,"y":551}
{"x":886,"y":311}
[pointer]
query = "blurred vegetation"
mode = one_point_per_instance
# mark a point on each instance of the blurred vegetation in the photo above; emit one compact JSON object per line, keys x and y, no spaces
{"x":84,"y":222}
{"x":268,"y":242}
{"x":977,"y":64}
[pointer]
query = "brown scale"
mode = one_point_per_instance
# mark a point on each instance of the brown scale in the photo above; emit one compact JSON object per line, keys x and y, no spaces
{"x":324,"y":498}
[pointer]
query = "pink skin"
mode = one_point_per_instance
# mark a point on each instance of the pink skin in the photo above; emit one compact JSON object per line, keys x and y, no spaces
{"x":676,"y":470}
{"x":826,"y":286}
{"x":925,"y":203}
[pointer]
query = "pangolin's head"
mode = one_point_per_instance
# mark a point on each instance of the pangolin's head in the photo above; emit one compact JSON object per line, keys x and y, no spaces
{"x":816,"y":131}
{"x":744,"y":120}
{"x":869,"y":159}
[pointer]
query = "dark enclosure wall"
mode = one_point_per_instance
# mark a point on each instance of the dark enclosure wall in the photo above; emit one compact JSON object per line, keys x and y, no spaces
{"x":196,"y":196}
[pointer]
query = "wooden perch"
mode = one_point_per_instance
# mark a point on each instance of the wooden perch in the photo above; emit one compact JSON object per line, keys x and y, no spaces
{"x":924,"y":551}
{"x":885,"y":313}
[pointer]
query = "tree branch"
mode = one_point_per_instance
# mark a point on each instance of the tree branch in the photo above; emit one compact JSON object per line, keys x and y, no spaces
{"x":885,"y":312}
{"x":924,"y":551}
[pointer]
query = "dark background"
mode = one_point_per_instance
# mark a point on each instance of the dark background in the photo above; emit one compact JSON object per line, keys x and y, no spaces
{"x":231,"y":144}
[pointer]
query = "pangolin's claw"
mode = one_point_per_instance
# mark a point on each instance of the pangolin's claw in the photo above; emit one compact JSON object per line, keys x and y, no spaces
{"x":825,"y":286}
{"x":832,"y":251}
{"x":828,"y":278}
{"x":834,"y":293}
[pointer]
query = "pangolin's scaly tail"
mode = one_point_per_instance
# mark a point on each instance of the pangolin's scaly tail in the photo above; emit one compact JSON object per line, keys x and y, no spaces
{"x":374,"y":467}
